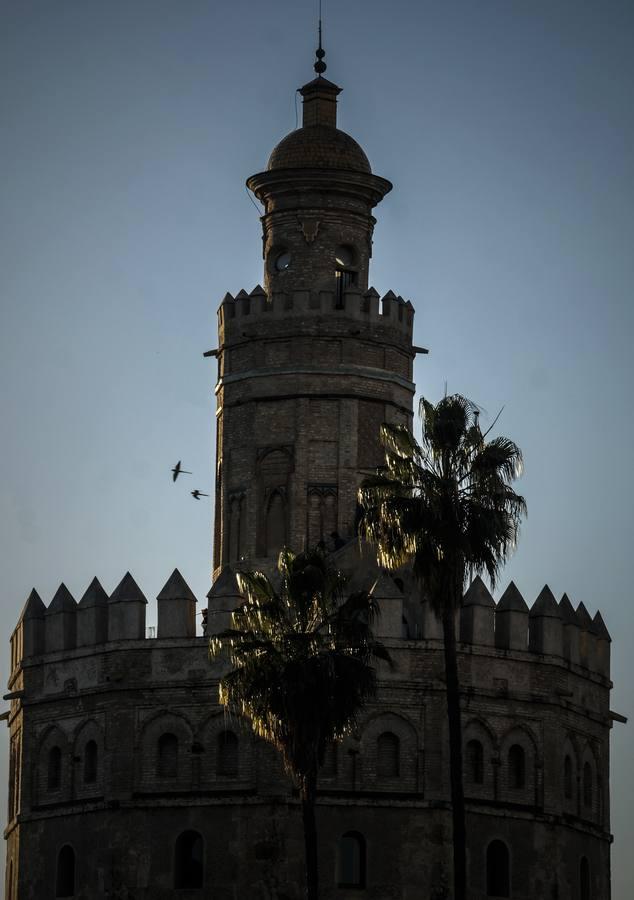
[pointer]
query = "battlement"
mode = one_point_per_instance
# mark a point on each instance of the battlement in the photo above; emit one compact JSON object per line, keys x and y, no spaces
{"x":548,"y":629}
{"x":390,"y":311}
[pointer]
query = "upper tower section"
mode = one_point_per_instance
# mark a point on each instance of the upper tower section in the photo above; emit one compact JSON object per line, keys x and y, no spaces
{"x":318,"y":192}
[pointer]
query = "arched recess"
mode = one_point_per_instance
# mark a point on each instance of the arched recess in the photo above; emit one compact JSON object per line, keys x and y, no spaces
{"x":237,"y":526}
{"x":88,"y":755}
{"x":584,"y":879}
{"x":65,"y":872}
{"x":590,"y":800}
{"x":189,"y":861}
{"x":226,"y":762}
{"x":322,"y":514}
{"x":388,"y":754}
{"x":351,"y":860}
{"x":569,"y":777}
{"x":52,"y":781}
{"x":479,"y":749}
{"x":498,"y":870}
{"x":518,"y":765}
{"x":274,"y":468}
{"x":164,"y":757}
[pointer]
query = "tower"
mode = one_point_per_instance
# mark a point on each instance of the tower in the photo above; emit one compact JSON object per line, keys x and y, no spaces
{"x":127,"y":779}
{"x":310,"y":365}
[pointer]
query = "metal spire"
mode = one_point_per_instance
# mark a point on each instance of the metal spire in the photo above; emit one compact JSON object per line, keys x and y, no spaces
{"x":320,"y":65}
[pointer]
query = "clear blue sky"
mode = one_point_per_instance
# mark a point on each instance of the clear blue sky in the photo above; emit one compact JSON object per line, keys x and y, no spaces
{"x":128,"y":130}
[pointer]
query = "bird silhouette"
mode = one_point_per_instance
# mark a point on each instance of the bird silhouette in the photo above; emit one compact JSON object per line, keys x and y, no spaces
{"x":198,"y":494}
{"x":176,"y":471}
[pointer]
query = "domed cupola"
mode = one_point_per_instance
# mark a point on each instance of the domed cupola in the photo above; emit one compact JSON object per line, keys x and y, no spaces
{"x":318,"y":192}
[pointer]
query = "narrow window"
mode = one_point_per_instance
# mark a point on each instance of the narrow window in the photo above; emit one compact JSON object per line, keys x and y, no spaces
{"x":10,"y":881}
{"x":275,"y":524}
{"x":90,"y":762}
{"x":65,"y":880}
{"x":188,"y":860}
{"x":584,"y":879}
{"x":587,"y":785}
{"x":387,"y":752}
{"x":167,"y":756}
{"x":567,"y":777}
{"x":344,"y":274}
{"x":351,"y":872}
{"x":329,"y":765}
{"x":517,"y":767}
{"x":227,"y":755}
{"x":54,"y":778}
{"x":498,"y":880}
{"x":475,"y":762}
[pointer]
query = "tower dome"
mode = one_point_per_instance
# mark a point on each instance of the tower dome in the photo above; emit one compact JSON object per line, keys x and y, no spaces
{"x":318,"y":147}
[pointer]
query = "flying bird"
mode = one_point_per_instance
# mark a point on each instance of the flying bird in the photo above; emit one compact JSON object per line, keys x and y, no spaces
{"x":198,"y":494}
{"x":176,"y":471}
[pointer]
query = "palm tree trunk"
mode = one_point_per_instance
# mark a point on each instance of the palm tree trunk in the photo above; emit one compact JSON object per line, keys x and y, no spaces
{"x":309,"y":795}
{"x":455,"y":752}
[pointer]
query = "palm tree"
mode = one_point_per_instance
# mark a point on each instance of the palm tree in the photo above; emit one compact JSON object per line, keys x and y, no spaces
{"x":447,"y":508}
{"x":301,"y":668}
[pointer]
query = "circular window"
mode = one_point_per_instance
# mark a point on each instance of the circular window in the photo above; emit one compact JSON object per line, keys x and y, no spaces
{"x":344,"y":256}
{"x":282,"y":260}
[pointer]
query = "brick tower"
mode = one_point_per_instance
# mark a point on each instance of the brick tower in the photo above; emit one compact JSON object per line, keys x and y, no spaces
{"x":313,"y":363}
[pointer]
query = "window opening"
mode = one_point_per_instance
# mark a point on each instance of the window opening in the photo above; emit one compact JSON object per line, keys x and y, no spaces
{"x":475,"y":762}
{"x":498,"y":880}
{"x":352,"y":860}
{"x":587,"y":785}
{"x":188,"y":860}
{"x":227,"y":756}
{"x":168,"y":756}
{"x":584,"y":879}
{"x":54,"y":779}
{"x":567,"y":777}
{"x":517,"y":767}
{"x":65,"y":881}
{"x":388,"y":755}
{"x":90,"y":762}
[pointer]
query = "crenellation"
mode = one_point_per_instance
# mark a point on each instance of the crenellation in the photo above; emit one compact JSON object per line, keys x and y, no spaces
{"x":570,"y":631}
{"x":477,"y":615}
{"x":511,"y":621}
{"x":176,"y":606}
{"x":545,"y":626}
{"x":31,"y":628}
{"x":126,"y":611}
{"x":60,"y":622}
{"x":587,"y":638}
{"x":92,"y":616}
{"x":393,"y":311}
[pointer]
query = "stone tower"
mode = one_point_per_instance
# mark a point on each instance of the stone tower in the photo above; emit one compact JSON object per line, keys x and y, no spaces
{"x":127,"y":779}
{"x":314,"y":362}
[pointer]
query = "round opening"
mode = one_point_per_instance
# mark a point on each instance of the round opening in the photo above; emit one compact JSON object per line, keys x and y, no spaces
{"x":344,"y":256}
{"x":282,"y":260}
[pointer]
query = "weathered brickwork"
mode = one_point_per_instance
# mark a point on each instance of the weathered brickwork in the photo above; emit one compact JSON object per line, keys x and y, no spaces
{"x":128,"y":780}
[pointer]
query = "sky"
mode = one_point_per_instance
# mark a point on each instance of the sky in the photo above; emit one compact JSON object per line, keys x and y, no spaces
{"x":128,"y":130}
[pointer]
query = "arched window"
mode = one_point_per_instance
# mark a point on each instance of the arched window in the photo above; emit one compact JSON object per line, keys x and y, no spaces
{"x":587,"y":785}
{"x":517,"y":767}
{"x":351,"y":862}
{"x":475,"y":762}
{"x":345,"y":275}
{"x":167,"y":756}
{"x":65,"y":878}
{"x":387,"y":755}
{"x":90,"y":762}
{"x":188,"y":860}
{"x":584,"y":879}
{"x":567,"y":777}
{"x":54,"y":774}
{"x":498,"y":877}
{"x":275,"y":524}
{"x":227,"y":754}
